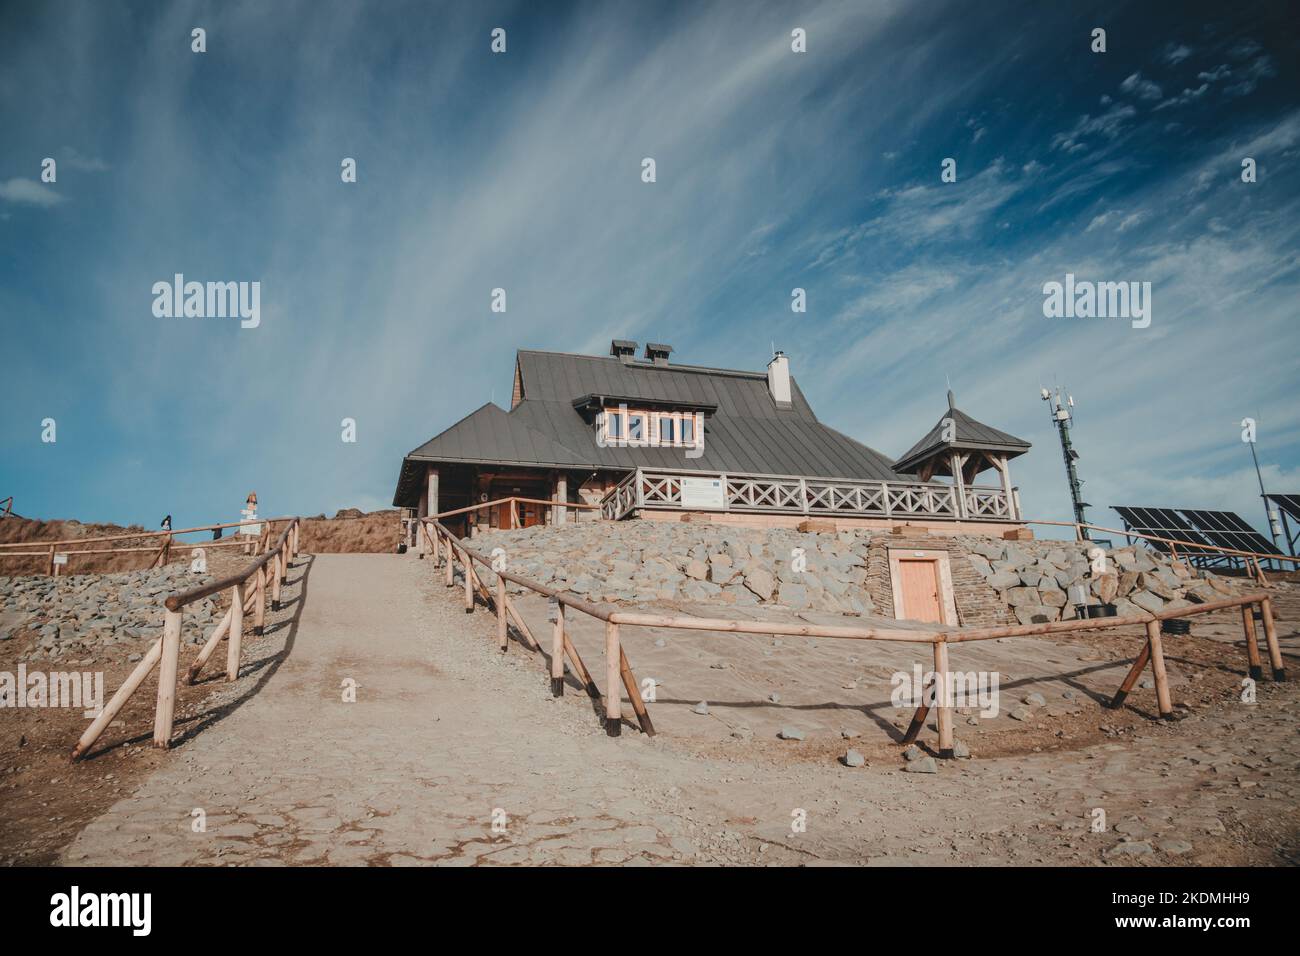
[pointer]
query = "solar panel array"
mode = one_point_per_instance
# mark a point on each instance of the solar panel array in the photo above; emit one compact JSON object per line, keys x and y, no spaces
{"x":1288,"y":503}
{"x":1228,"y":530}
{"x":1161,"y":522}
{"x":1220,"y":529}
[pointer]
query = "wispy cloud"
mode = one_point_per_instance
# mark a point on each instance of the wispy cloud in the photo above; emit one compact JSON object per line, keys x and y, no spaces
{"x":29,"y":192}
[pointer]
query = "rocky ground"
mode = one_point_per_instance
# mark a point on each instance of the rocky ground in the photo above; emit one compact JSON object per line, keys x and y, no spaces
{"x":73,"y":614}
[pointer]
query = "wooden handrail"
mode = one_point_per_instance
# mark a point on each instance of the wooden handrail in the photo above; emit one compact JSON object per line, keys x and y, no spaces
{"x":165,"y":652}
{"x":505,"y":501}
{"x":138,"y":534}
{"x":179,"y":599}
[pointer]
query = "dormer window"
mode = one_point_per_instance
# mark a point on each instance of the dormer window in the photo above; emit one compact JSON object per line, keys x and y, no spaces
{"x":644,"y":428}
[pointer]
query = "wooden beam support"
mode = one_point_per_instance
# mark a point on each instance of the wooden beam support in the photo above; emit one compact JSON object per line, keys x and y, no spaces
{"x":1270,"y":638}
{"x":634,"y":694}
{"x":943,"y":698}
{"x":1131,"y":678}
{"x":1163,"y":700}
{"x":557,"y":652}
{"x":1252,"y":645}
{"x":129,"y":687}
{"x":503,"y":630}
{"x":613,"y":677}
{"x":166,"y":710}
{"x":236,"y":639}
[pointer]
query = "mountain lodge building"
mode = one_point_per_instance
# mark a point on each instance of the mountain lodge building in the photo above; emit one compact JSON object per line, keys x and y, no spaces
{"x":649,"y":438}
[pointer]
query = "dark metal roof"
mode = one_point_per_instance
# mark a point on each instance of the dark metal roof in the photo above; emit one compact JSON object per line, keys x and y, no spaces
{"x":745,"y":432}
{"x":968,"y":435}
{"x":491,"y":434}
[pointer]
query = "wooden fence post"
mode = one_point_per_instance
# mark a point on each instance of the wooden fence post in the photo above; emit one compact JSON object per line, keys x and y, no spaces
{"x":613,"y":677}
{"x":557,"y":652}
{"x":259,"y":606}
{"x":1252,"y":645}
{"x":50,"y":566}
{"x":234,"y":641}
{"x":1270,"y":638}
{"x":503,"y":636}
{"x":166,"y":708}
{"x":451,"y":563}
{"x":1163,"y":701}
{"x":468,"y":564}
{"x":942,"y":698}
{"x":274,"y":565}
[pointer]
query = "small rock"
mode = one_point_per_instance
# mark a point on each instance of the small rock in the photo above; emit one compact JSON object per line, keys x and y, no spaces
{"x":774,"y":698}
{"x":790,"y":733}
{"x":702,"y":708}
{"x":1020,"y":713}
{"x":1134,"y":848}
{"x":924,"y":765}
{"x":913,"y":752}
{"x":1035,"y":700}
{"x":854,"y":759}
{"x":960,"y":750}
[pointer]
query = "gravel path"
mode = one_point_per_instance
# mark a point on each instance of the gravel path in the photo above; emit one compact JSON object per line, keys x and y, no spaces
{"x":456,"y":754}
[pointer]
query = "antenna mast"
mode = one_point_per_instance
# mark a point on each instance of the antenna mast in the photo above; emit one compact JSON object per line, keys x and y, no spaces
{"x":1062,"y":418}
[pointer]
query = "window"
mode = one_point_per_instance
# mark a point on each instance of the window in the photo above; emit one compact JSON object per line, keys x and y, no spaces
{"x":621,"y":426}
{"x":688,"y":430}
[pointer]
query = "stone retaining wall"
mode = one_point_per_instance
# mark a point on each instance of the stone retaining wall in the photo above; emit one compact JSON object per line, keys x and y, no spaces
{"x":994,"y":581}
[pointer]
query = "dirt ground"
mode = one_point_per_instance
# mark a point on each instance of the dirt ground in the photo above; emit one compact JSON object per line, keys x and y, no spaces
{"x":46,"y":799}
{"x":454,"y":753}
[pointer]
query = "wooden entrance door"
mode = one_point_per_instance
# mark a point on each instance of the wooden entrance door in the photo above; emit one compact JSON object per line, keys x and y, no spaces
{"x":919,"y":584}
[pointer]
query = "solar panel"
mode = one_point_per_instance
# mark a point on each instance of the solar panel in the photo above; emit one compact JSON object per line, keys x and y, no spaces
{"x":1161,"y":522}
{"x":1228,"y":530}
{"x":1288,"y":503}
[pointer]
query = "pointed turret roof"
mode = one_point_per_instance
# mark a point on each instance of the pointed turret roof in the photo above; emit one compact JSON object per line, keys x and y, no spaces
{"x":967,"y":435}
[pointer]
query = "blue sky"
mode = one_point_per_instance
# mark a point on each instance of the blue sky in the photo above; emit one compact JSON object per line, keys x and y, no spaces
{"x":775,"y":170}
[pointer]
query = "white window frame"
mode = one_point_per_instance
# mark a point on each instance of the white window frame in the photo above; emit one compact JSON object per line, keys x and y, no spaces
{"x":614,"y":427}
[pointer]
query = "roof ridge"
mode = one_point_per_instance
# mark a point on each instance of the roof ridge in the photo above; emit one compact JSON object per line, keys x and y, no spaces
{"x":650,"y":366}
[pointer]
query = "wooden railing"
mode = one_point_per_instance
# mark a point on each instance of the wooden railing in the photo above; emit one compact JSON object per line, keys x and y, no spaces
{"x":248,"y":590}
{"x":161,"y":550}
{"x":792,"y":494}
{"x":447,"y":550}
{"x":514,"y":501}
